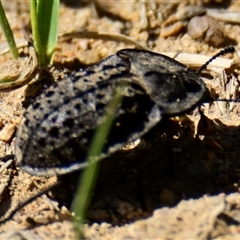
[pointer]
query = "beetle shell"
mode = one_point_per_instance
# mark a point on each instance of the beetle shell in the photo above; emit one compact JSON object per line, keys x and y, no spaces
{"x":57,"y":129}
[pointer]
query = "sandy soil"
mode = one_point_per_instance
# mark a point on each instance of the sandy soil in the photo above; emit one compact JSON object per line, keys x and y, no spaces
{"x":182,"y":180}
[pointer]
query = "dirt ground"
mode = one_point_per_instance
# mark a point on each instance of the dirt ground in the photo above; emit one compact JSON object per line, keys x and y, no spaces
{"x":182,"y":180}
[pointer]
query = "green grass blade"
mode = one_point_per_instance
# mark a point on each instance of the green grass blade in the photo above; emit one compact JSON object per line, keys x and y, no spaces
{"x":48,"y":12}
{"x":35,"y":32}
{"x":89,"y":176}
{"x":44,"y":17}
{"x":8,"y":33}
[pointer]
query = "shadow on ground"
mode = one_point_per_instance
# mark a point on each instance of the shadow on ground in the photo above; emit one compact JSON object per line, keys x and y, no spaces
{"x":169,"y":165}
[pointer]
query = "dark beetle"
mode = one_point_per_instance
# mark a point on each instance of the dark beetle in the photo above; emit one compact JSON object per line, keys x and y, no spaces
{"x":56,"y":130}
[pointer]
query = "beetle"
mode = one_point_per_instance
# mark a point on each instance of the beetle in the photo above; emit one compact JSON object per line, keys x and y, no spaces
{"x":56,"y":130}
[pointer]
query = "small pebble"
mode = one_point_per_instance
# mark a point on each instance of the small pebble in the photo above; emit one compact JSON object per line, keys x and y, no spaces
{"x":172,"y":30}
{"x":206,"y":29}
{"x":7,"y":132}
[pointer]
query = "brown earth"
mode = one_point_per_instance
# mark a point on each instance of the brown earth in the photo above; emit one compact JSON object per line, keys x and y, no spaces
{"x":182,"y":180}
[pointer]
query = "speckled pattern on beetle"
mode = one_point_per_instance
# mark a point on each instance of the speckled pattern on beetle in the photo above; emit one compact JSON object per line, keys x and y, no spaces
{"x":56,"y":130}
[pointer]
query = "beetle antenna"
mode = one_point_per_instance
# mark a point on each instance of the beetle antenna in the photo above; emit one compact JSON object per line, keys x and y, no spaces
{"x":224,"y":51}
